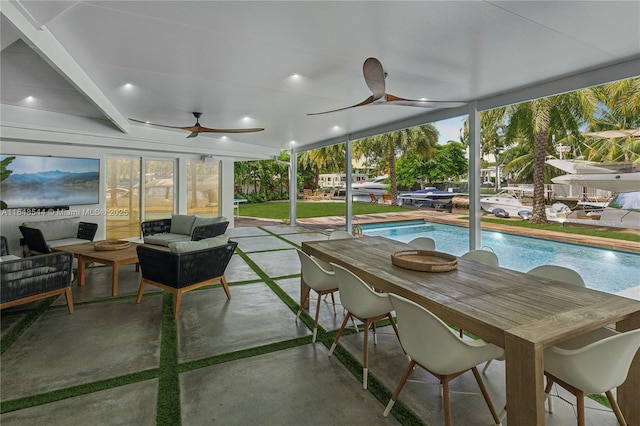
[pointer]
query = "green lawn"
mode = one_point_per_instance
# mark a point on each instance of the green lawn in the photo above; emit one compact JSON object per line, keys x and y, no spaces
{"x":306,"y":209}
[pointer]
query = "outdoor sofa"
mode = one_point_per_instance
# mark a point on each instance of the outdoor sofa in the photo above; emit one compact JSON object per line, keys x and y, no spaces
{"x":185,"y":266}
{"x":181,"y":228}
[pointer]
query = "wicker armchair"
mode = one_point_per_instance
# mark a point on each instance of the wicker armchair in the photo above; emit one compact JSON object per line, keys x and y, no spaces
{"x":38,"y":244}
{"x":27,"y":279}
{"x":182,"y":272}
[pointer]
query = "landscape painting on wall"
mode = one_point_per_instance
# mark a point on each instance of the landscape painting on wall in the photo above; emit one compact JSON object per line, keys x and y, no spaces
{"x":31,"y":181}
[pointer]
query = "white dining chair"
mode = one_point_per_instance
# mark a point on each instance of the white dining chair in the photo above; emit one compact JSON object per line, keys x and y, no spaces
{"x":592,"y":364}
{"x":340,"y":235}
{"x":319,"y":280}
{"x":363,"y":303}
{"x":483,"y":256}
{"x":432,"y":345}
{"x":554,"y":272}
{"x":423,"y":243}
{"x":559,"y":273}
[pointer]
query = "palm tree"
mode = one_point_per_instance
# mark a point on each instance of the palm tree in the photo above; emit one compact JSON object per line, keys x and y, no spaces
{"x":537,"y":121}
{"x":329,"y":158}
{"x":388,"y":146}
{"x":620,"y":110}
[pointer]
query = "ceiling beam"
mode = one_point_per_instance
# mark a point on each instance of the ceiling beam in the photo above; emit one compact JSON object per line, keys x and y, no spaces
{"x":50,"y":49}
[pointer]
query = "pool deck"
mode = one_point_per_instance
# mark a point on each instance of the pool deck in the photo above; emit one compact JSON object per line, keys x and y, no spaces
{"x":329,"y":223}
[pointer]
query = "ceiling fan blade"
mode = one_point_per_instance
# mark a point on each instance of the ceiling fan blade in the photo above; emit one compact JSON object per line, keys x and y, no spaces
{"x":367,"y":101}
{"x":192,"y":134}
{"x":374,"y":76}
{"x":395,"y":100}
{"x":162,"y":125}
{"x":249,"y":130}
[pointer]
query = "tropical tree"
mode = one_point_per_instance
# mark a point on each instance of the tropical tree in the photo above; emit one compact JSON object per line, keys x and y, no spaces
{"x":329,"y":159}
{"x":386,"y":148}
{"x":619,"y":110}
{"x":537,"y":122}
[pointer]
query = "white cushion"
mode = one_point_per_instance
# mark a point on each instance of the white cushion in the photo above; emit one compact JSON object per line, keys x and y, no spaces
{"x":56,"y":229}
{"x":182,"y":223}
{"x":219,"y":240}
{"x":187,"y":246}
{"x":200,"y":221}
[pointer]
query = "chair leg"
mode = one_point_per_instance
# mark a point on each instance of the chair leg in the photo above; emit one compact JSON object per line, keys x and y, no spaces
{"x":365,"y":353}
{"x":547,"y":391}
{"x":306,"y":299}
{"x":315,"y":324}
{"x":446,"y":401}
{"x":486,"y":396}
{"x":225,"y":286}
{"x":176,"y":308}
{"x":393,"y":324}
{"x":69,"y":297}
{"x":580,"y":410}
{"x":616,"y":408}
{"x":396,"y":392}
{"x":486,"y":366}
{"x":143,"y":283}
{"x":335,"y":342}
{"x":333,"y":300}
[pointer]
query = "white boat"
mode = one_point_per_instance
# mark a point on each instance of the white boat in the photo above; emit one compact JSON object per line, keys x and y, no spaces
{"x":505,"y":201}
{"x":623,"y":210}
{"x":616,"y":177}
{"x":376,"y":186}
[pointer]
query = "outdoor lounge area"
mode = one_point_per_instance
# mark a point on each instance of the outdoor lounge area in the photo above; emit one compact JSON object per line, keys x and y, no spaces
{"x":238,"y":360}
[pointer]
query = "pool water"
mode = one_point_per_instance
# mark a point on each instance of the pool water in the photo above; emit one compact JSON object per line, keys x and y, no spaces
{"x":605,"y":270}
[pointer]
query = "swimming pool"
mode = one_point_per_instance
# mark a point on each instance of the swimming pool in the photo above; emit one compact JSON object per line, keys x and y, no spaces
{"x":606,"y":270}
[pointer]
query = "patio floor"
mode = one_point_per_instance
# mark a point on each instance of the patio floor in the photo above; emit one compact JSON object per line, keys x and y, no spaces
{"x":243,"y":360}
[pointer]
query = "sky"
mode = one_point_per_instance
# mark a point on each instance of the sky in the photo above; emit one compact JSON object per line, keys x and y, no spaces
{"x":450,"y":129}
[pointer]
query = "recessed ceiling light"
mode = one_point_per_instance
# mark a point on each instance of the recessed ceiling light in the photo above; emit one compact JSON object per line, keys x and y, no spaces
{"x":30,"y":98}
{"x":423,"y":99}
{"x":336,"y":127}
{"x":246,"y":118}
{"x":292,"y":142}
{"x":128,"y":86}
{"x":295,"y":76}
{"x":224,"y":137}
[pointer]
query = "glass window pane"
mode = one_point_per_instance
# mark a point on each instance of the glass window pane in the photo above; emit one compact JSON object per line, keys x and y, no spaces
{"x":159,"y":189}
{"x":204,"y":177}
{"x":123,"y":198}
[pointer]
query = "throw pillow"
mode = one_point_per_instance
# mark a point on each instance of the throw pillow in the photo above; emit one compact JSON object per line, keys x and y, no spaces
{"x":182,"y":223}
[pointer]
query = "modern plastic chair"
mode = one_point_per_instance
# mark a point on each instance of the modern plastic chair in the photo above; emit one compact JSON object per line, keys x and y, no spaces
{"x":340,"y":235}
{"x":590,"y":368}
{"x":432,"y":345}
{"x":559,"y":273}
{"x":320,"y":280}
{"x":482,"y":256}
{"x":363,"y":303}
{"x":423,"y":243}
{"x":555,"y":272}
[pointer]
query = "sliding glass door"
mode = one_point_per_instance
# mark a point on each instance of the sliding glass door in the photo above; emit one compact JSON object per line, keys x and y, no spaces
{"x":123,"y":197}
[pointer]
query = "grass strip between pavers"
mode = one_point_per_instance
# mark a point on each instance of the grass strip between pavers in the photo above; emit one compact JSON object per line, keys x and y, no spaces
{"x":73,"y":391}
{"x":169,"y":380}
{"x":32,"y":315}
{"x":400,"y":411}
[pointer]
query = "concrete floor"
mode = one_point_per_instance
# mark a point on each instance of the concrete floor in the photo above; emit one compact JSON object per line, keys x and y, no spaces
{"x":100,"y":365}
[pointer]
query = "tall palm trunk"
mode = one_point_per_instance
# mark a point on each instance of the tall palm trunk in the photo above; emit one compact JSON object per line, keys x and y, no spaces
{"x":393,"y":179}
{"x":538,"y":214}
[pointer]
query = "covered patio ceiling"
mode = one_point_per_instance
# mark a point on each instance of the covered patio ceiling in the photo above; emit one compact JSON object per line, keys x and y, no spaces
{"x":89,"y":66}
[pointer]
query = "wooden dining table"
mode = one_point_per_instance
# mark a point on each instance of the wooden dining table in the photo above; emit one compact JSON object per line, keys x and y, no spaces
{"x":521,"y":313}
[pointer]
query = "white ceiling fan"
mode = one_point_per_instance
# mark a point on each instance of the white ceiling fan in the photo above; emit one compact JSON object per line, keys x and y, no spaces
{"x":374,"y":76}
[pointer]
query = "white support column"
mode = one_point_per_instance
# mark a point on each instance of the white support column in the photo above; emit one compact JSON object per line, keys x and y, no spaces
{"x":474,"y":177}
{"x":293,"y":187}
{"x":226,"y":190}
{"x":347,"y":195}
